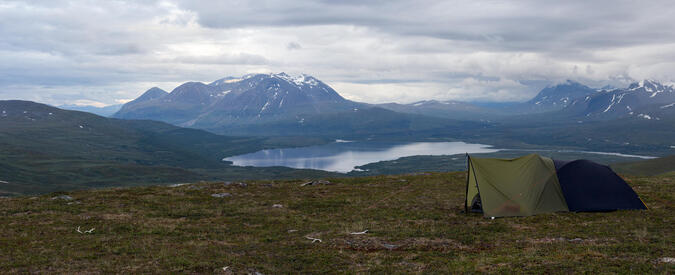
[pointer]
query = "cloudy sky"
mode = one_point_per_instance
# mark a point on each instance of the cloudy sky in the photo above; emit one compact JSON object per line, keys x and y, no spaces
{"x":105,"y":52}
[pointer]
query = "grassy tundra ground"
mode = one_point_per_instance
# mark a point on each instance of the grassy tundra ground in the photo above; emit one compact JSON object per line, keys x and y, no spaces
{"x":414,"y":224}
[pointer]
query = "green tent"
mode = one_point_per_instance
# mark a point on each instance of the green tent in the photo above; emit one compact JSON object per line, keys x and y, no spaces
{"x":513,"y":187}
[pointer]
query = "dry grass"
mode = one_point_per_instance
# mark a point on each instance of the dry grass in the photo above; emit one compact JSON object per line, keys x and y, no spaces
{"x":415,"y":225}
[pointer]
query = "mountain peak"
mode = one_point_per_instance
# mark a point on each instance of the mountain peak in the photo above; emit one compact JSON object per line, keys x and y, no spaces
{"x":152,"y":93}
{"x":299,"y":80}
{"x":560,"y":95}
{"x":224,"y":80}
{"x":644,"y":83}
{"x":650,"y":86}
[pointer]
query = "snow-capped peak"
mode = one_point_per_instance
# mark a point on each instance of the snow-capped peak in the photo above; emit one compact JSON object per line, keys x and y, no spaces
{"x":650,"y":86}
{"x":299,"y":80}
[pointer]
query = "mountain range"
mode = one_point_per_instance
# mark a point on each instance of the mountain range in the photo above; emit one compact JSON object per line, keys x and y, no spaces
{"x":43,"y":148}
{"x":646,"y":99}
{"x":231,"y":105}
{"x":638,"y":118}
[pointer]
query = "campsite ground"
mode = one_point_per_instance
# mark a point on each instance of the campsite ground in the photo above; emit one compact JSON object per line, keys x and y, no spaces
{"x":415,"y":224}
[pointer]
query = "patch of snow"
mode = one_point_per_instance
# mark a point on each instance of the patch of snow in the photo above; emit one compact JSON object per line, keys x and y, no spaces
{"x":672,"y":146}
{"x":2,"y":181}
{"x":644,"y":116}
{"x":618,"y":100}
{"x":342,"y":141}
{"x":81,"y":127}
{"x":223,"y":93}
{"x":247,"y":76}
{"x":265,"y":106}
{"x":668,"y":106}
{"x":298,"y":80}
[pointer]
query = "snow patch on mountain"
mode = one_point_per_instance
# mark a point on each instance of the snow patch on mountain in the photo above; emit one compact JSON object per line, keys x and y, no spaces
{"x":668,"y":106}
{"x":299,"y":80}
{"x":615,"y":100}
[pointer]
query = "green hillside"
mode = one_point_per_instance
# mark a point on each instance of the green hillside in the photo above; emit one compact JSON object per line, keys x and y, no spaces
{"x":46,"y":149}
{"x":414,"y":224}
{"x":647,"y":167}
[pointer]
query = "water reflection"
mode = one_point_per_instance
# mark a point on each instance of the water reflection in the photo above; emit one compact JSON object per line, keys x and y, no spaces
{"x":344,"y":156}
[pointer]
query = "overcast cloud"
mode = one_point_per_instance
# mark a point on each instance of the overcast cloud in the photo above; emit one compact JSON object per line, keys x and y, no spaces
{"x":106,"y":52}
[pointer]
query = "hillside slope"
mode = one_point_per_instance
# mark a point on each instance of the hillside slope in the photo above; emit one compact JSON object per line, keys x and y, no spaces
{"x":44,"y":149}
{"x":647,"y":167}
{"x":412,"y":224}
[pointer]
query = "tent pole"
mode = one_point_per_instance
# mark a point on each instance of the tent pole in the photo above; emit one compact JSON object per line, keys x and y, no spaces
{"x":466,"y":194}
{"x":477,"y":188}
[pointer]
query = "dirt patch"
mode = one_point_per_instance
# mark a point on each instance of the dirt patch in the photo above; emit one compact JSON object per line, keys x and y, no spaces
{"x":415,"y":244}
{"x":116,"y":217}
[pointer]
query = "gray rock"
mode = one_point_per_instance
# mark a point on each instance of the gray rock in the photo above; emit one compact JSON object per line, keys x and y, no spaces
{"x":316,"y":182}
{"x":575,"y":240}
{"x":389,"y":246}
{"x":177,"y":184}
{"x":277,"y":206}
{"x":63,"y":197}
{"x":221,"y":195}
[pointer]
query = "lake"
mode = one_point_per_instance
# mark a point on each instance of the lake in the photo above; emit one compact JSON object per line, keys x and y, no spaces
{"x":343,"y":156}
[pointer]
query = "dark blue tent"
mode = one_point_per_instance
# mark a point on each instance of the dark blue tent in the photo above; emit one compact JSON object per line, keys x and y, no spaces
{"x":588,"y":187}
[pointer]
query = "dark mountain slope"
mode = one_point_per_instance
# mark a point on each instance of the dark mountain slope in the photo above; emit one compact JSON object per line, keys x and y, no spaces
{"x":101,"y":111}
{"x":358,"y":123}
{"x":445,"y":109}
{"x":43,"y":148}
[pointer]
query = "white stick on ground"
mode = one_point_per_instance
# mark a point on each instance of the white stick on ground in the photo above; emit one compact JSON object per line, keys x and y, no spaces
{"x":83,"y":232}
{"x":313,"y":239}
{"x":359,"y":233}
